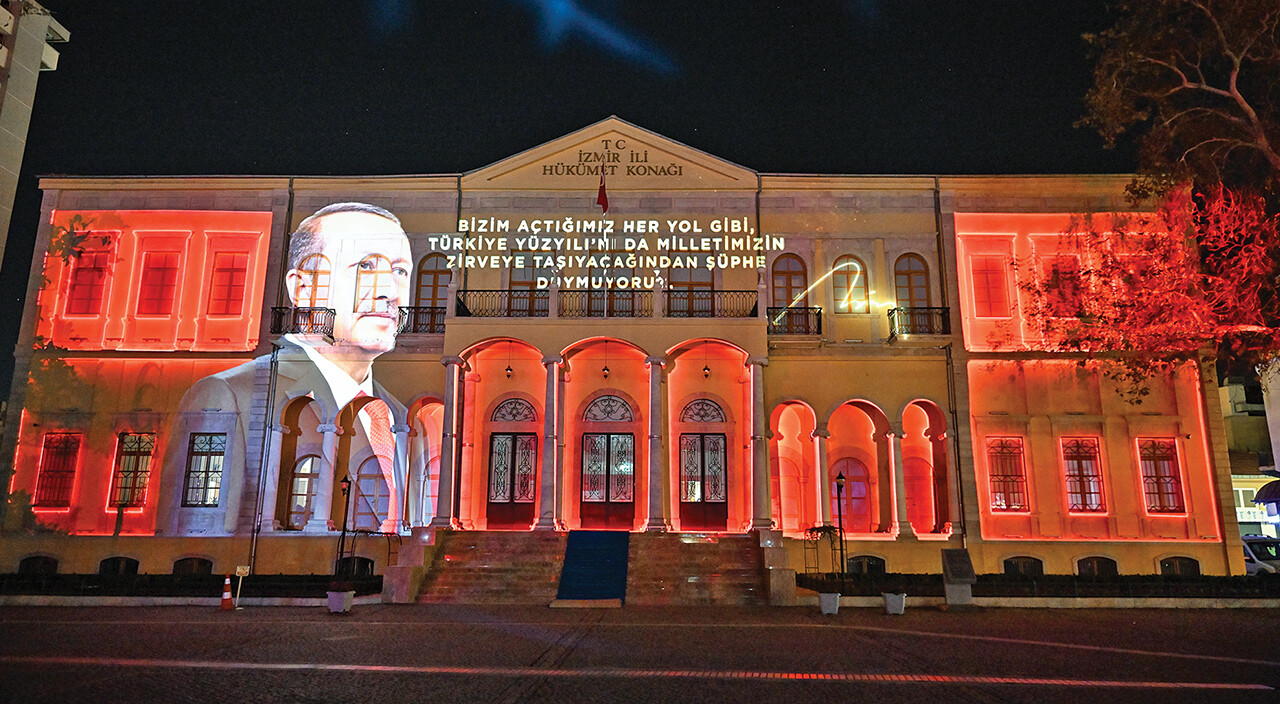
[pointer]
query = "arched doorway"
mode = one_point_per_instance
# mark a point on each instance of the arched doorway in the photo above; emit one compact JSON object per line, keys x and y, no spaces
{"x":608,"y":465}
{"x":704,"y":475}
{"x":513,"y":465}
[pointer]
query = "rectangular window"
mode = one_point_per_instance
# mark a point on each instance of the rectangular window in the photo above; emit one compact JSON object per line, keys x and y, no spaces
{"x":133,"y":468}
{"x":57,"y":470}
{"x":226,"y":286}
{"x":990,"y":293}
{"x":88,"y":284}
{"x":159,"y":283}
{"x":1062,"y":287}
{"x":1007,"y":474}
{"x":1161,"y":478}
{"x":1083,"y":468}
{"x":204,"y":469}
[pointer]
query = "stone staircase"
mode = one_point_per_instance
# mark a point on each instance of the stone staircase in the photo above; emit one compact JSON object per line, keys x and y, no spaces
{"x":695,"y":568}
{"x":495,"y":567}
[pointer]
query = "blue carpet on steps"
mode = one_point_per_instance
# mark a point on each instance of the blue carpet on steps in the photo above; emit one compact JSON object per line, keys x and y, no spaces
{"x":595,"y":565}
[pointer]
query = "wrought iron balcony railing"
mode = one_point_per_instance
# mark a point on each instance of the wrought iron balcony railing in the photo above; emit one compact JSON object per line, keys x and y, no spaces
{"x":302,"y":321}
{"x":606,"y":304}
{"x":428,"y":320}
{"x":794,"y":320}
{"x":919,"y":321}
{"x":711,"y":304}
{"x":515,"y":303}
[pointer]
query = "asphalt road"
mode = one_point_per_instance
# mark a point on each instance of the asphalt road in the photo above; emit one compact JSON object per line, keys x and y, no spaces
{"x":388,"y":654}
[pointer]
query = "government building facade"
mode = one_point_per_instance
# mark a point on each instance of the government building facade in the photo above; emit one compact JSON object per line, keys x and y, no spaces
{"x":705,"y":355}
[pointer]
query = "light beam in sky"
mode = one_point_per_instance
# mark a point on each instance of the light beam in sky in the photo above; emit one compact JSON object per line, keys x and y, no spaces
{"x":564,"y":19}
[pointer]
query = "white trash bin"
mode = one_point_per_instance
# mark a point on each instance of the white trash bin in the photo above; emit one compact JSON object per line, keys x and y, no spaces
{"x":340,"y":602}
{"x":829,"y":603}
{"x":894,"y":604}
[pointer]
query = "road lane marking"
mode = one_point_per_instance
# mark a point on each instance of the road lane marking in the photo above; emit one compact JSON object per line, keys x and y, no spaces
{"x":626,"y":672}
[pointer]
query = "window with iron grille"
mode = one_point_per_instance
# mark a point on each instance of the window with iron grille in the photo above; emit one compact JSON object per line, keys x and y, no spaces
{"x":1008,"y":478}
{"x":57,"y":470}
{"x":159,"y":283}
{"x":1161,"y":478}
{"x":133,"y":468}
{"x":204,"y":469}
{"x":1083,"y":469}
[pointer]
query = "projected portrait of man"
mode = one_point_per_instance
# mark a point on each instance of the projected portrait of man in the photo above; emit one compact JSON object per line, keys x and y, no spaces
{"x":353,"y":259}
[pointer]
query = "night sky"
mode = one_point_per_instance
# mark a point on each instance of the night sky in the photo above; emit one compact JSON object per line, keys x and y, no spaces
{"x":300,"y":87}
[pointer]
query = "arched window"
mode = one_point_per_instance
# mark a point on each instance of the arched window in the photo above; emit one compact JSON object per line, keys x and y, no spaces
{"x":911,"y":282}
{"x":118,"y":566}
{"x":514,"y":410}
{"x":702,"y":410}
{"x":1097,"y":567}
{"x":609,"y":408}
{"x":433,"y":281}
{"x":1024,"y":566}
{"x":865,"y":564}
{"x":1179,"y":567}
{"x":38,"y":566}
{"x":855,"y":510}
{"x":790,"y":284}
{"x":849,"y":281}
{"x":192,"y":566}
{"x":375,"y":285}
{"x":372,"y":499}
{"x":302,"y":491}
{"x":313,"y":286}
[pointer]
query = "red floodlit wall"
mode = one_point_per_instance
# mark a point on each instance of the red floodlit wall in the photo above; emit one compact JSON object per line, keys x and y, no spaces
{"x":1041,"y":403}
{"x":97,"y":400}
{"x":158,"y":280}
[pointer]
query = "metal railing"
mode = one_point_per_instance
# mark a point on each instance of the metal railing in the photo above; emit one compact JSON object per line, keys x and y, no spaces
{"x":503,"y":304}
{"x":919,"y":321}
{"x":302,"y":321}
{"x":606,"y":304}
{"x":793,"y":320}
{"x":422,"y":320}
{"x":711,"y":304}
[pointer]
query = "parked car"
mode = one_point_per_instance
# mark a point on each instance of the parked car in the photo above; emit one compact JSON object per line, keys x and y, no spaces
{"x":1261,"y":554}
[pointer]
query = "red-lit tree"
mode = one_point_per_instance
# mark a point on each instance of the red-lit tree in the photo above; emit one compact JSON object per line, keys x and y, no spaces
{"x":1147,"y":292}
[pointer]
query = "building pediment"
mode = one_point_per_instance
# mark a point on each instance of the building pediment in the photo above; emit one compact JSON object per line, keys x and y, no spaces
{"x":632,"y":159}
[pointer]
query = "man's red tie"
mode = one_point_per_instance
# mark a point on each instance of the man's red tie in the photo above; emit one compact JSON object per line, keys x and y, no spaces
{"x":384,"y":446}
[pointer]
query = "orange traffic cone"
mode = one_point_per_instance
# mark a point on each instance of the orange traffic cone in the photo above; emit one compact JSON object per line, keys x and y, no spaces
{"x":227,"y":604}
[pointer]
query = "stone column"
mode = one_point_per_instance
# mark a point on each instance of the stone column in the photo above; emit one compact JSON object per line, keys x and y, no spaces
{"x":658,"y":516}
{"x":550,"y":472}
{"x":820,"y":435}
{"x":271,"y":482}
{"x":899,"y":488}
{"x":322,"y":506}
{"x":467,"y":508}
{"x":443,"y":517}
{"x":761,"y":506}
{"x":561,"y":378}
{"x":401,"y":504}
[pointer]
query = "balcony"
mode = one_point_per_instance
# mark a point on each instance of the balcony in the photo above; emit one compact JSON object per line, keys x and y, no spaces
{"x":793,"y":320}
{"x":503,"y":304}
{"x":422,"y":320}
{"x":711,"y":304}
{"x":919,"y":321}
{"x":302,"y":321}
{"x":606,"y":304}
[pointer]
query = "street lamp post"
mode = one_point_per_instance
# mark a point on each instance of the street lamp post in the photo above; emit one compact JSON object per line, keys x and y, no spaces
{"x":840,"y":519}
{"x":342,"y":539}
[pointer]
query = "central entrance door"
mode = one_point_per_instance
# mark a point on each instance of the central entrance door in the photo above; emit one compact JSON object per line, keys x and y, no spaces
{"x":704,"y":490}
{"x":608,"y":480}
{"x":512,"y":479}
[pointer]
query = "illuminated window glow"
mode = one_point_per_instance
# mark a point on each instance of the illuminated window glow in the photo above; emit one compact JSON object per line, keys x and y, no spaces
{"x":159,"y":282}
{"x":226,"y":289}
{"x":1007,"y":474}
{"x":1083,"y":469}
{"x":302,"y":491}
{"x":1063,"y":288}
{"x":375,"y":284}
{"x":790,"y":283}
{"x":1161,"y":478}
{"x":433,"y":281}
{"x":88,"y":284}
{"x":989,"y":275}
{"x":57,"y":470}
{"x":204,"y":469}
{"x":313,"y":287}
{"x":849,"y":281}
{"x":133,"y":469}
{"x":911,"y":281}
